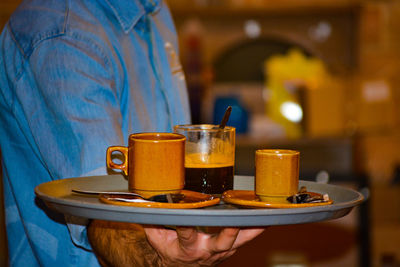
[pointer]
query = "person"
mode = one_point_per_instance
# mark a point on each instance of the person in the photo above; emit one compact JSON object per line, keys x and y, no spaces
{"x":77,"y":77}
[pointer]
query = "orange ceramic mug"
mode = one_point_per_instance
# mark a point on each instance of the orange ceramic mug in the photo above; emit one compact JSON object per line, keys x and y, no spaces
{"x":276,"y":174}
{"x":153,"y":162}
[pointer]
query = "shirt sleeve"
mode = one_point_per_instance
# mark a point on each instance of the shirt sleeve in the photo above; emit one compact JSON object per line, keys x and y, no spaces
{"x":72,"y":107}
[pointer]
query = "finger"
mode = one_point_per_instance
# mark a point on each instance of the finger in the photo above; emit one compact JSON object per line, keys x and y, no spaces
{"x":187,"y":236}
{"x":245,"y":235}
{"x":225,"y":239}
{"x":156,"y":234}
{"x":217,"y":258}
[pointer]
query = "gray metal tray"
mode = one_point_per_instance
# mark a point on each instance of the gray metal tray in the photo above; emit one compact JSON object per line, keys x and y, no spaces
{"x":57,"y":195}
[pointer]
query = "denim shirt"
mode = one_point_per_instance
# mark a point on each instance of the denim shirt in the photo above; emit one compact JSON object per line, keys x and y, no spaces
{"x":77,"y":76}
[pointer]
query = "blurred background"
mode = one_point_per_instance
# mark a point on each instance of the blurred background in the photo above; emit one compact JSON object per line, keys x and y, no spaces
{"x":320,"y":76}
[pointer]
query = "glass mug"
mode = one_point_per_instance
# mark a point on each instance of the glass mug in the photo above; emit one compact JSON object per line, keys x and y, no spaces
{"x":209,"y":157}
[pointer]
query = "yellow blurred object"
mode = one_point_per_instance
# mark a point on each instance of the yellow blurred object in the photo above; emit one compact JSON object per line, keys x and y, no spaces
{"x":287,"y":77}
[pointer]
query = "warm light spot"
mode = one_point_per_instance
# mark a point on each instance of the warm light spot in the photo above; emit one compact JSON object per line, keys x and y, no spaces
{"x":291,"y":111}
{"x":252,"y":28}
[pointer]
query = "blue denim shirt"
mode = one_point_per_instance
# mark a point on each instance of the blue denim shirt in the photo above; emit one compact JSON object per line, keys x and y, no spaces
{"x":76,"y":77}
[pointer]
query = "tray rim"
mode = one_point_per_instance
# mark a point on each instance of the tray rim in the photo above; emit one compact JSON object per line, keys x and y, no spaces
{"x":215,"y":212}
{"x":76,"y":206}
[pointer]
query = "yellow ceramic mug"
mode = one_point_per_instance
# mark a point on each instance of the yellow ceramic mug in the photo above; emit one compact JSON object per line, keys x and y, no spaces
{"x":153,"y":162}
{"x":276,"y":174}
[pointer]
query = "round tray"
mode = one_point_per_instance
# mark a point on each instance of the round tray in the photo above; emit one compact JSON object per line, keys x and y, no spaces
{"x":58,"y":196}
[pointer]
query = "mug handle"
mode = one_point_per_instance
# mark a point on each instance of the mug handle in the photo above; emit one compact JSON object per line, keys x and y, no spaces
{"x":111,"y":164}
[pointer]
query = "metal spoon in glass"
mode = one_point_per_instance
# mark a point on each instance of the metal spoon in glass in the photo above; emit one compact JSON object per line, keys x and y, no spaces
{"x":127,"y":196}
